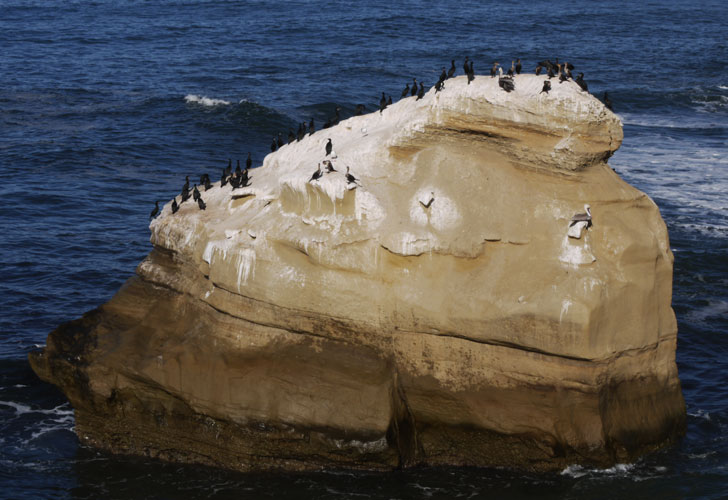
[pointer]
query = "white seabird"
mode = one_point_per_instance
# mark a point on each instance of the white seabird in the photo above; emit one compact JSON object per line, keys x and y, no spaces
{"x":580,"y":222}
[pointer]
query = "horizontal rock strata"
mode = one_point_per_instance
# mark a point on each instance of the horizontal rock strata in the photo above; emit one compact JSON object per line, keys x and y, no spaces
{"x":437,"y":312}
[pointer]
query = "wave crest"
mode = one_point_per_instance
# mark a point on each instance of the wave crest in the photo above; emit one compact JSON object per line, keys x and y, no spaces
{"x":205,"y":101}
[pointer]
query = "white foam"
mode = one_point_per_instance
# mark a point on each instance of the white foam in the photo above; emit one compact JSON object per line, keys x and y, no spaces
{"x":205,"y":101}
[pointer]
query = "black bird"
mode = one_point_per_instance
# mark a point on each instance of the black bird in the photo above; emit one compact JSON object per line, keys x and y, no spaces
{"x":494,"y":70}
{"x":551,"y":73}
{"x":389,"y":100}
{"x":186,"y":186}
{"x":223,"y":179}
{"x":317,"y":174}
{"x":581,"y":83}
{"x":512,"y":69}
{"x":248,"y":162}
{"x":273,"y":146}
{"x":471,"y":73}
{"x":185,"y":196}
{"x":350,"y":178}
{"x":439,"y":86}
{"x":359,"y":110}
{"x":195,"y":193}
{"x":301,"y":131}
{"x":421,"y":92}
{"x":466,"y":69}
{"x":175,"y":207}
{"x":237,"y":168}
{"x":202,"y":179}
{"x":443,"y":75}
{"x":207,"y":183}
{"x":546,"y":87}
{"x":413,"y":92}
{"x":337,"y":116}
{"x":329,"y":146}
{"x":329,"y":167}
{"x":451,"y":71}
{"x":382,"y":103}
{"x":291,"y":136}
{"x":506,"y":83}
{"x":518,"y":67}
{"x":155,"y":210}
{"x":280,"y":141}
{"x":244,"y":178}
{"x":405,"y":92}
{"x":328,"y":123}
{"x":201,"y":203}
{"x":563,"y":78}
{"x":311,"y":127}
{"x":229,"y":168}
{"x":607,"y":102}
{"x":538,"y":69}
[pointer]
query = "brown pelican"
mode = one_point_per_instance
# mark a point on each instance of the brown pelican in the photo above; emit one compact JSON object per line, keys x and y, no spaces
{"x":583,"y":217}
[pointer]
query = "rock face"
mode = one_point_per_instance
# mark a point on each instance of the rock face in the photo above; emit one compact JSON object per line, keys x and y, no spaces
{"x":437,"y":312}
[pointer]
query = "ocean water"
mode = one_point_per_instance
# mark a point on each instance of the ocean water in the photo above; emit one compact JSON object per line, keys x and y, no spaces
{"x":106,"y":106}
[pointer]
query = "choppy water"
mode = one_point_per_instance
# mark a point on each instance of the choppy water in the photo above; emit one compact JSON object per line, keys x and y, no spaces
{"x":105,"y":106}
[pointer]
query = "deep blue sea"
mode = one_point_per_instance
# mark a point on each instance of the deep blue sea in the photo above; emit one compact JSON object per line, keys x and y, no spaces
{"x":106,"y":106}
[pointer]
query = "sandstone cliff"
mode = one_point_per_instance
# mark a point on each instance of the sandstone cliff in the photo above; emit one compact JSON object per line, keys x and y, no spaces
{"x":436,"y":312}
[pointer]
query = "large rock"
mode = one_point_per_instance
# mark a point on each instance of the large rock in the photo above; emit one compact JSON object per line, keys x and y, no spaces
{"x":301,"y":325}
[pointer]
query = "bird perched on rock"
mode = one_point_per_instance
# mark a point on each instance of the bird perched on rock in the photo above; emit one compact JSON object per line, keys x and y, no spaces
{"x":329,"y":146}
{"x":451,"y":71}
{"x":494,"y":70}
{"x":311,"y":127}
{"x":518,"y":67}
{"x":201,"y":203}
{"x":405,"y":92}
{"x":471,"y":73}
{"x":359,"y":110}
{"x":155,"y":210}
{"x":280,"y":141}
{"x":389,"y":100}
{"x":512,"y":69}
{"x":223,"y":179}
{"x":175,"y":207}
{"x":291,"y":136}
{"x":581,"y":83}
{"x":538,"y":69}
{"x":583,"y":217}
{"x":443,"y":75}
{"x":329,"y":167}
{"x":413,"y":92}
{"x":466,"y":68}
{"x":317,"y":174}
{"x":350,"y":178}
{"x":506,"y":83}
{"x":195,"y":193}
{"x":248,"y":161}
{"x":421,"y":92}
{"x":546,"y":87}
{"x":229,"y":168}
{"x":273,"y":146}
{"x":382,"y":103}
{"x":186,"y":185}
{"x":207,"y":184}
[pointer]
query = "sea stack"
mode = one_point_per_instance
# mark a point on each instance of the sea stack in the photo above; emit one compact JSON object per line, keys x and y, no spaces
{"x":302,"y":326}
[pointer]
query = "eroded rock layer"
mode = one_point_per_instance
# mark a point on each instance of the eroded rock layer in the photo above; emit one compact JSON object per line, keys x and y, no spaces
{"x":435,"y":312}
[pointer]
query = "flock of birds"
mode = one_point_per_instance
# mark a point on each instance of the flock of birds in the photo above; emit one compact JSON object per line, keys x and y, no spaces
{"x":241,"y":177}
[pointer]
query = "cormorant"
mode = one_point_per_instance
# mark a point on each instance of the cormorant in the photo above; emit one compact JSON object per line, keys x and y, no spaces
{"x":248,"y":162}
{"x":273,"y":146}
{"x":207,"y":183}
{"x":317,"y":174}
{"x":195,"y":193}
{"x":580,"y":81}
{"x":328,"y":123}
{"x":382,"y":103}
{"x":494,"y":70}
{"x":186,"y":186}
{"x":466,"y":69}
{"x":359,"y":110}
{"x":311,"y":127}
{"x":223,"y":179}
{"x":291,"y":135}
{"x":389,"y":100}
{"x":451,"y":71}
{"x":329,"y":167}
{"x":350,"y":178}
{"x":405,"y":92}
{"x":551,"y":73}
{"x":229,"y":168}
{"x":443,"y":75}
{"x":538,"y":69}
{"x":280,"y":141}
{"x":175,"y":207}
{"x":237,"y":168}
{"x":328,"y":147}
{"x":155,"y":210}
{"x":201,"y":203}
{"x":413,"y":92}
{"x":506,"y":83}
{"x":546,"y":86}
{"x":421,"y":92}
{"x":518,"y":67}
{"x":512,"y":69}
{"x":607,"y":102}
{"x":471,"y":73}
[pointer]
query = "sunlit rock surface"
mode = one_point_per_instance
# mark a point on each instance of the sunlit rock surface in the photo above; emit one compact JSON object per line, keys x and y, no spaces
{"x":436,"y":312}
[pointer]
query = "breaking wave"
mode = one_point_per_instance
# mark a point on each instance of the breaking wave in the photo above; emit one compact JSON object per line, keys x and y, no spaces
{"x":205,"y":101}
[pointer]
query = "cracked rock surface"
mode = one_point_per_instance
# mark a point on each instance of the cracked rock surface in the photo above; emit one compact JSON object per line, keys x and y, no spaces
{"x":436,"y":312}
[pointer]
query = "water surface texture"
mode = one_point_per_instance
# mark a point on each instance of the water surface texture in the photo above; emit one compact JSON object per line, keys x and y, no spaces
{"x":106,"y":106}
